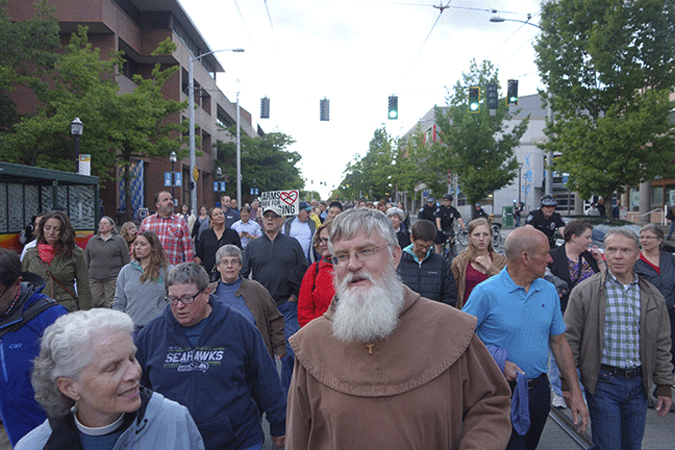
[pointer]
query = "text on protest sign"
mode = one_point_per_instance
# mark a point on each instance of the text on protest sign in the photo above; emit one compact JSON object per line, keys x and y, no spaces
{"x":286,"y":201}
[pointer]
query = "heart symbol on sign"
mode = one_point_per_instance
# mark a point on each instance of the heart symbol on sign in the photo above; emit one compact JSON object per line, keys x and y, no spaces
{"x":289,"y":197}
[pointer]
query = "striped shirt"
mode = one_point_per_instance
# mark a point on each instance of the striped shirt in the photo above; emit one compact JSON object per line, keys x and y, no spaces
{"x":174,"y":235}
{"x":622,"y":324}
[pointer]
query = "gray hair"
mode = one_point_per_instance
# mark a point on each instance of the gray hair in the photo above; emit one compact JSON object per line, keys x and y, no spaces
{"x":654,"y":229}
{"x":188,"y":273}
{"x":394,"y":211}
{"x":348,"y":224}
{"x":111,"y":221}
{"x":65,"y":349}
{"x":625,"y":232}
{"x":228,"y":250}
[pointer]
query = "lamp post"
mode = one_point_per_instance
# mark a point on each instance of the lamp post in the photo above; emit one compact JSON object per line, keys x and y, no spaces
{"x":237,"y":85}
{"x":191,"y":108}
{"x":172,"y":158}
{"x":76,"y":130}
{"x":548,"y":187}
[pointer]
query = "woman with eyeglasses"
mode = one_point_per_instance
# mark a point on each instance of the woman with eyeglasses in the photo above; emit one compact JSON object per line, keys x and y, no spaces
{"x":140,"y":288}
{"x":316,"y":290}
{"x":658,"y":267}
{"x":249,"y":298}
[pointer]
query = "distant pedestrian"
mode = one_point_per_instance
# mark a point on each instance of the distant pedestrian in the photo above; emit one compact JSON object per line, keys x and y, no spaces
{"x":106,"y":254}
{"x":616,"y":210}
{"x":171,"y":230}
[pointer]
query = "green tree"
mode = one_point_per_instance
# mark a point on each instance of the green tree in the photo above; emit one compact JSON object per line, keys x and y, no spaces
{"x":117,"y":126}
{"x":609,"y":66}
{"x":29,"y":51}
{"x":266,"y":163}
{"x":373,"y":175}
{"x":477,"y":147}
{"x":412,"y":165}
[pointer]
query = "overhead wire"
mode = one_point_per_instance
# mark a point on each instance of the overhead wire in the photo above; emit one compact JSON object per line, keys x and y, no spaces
{"x":244,"y":22}
{"x":271,"y":24}
{"x":440,"y":14}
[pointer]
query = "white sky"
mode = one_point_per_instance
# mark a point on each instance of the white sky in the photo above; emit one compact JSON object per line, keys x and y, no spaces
{"x":356,"y":53}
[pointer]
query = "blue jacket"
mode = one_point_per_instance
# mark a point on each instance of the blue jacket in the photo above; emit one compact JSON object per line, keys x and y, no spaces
{"x":432,"y":278}
{"x":221,"y":382}
{"x":20,"y":412}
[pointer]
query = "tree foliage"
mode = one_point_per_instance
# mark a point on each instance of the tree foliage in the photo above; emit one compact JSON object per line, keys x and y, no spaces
{"x":117,"y":126}
{"x":609,"y":66}
{"x":265,"y":163}
{"x":29,"y":50}
{"x":373,"y":175}
{"x":477,"y":147}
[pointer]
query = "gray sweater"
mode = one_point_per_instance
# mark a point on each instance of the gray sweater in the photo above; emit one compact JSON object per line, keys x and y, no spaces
{"x":142,"y":301}
{"x":105,"y":258}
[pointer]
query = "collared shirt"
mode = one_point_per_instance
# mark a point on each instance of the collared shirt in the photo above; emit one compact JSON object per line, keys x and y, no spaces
{"x":174,"y":235}
{"x":622,"y":323}
{"x":251,"y":227}
{"x":517,"y":321}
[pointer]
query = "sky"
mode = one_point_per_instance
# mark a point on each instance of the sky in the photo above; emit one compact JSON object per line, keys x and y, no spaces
{"x":357,"y":53}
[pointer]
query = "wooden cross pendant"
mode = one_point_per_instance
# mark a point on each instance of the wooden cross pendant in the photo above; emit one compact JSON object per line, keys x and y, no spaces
{"x":370,"y":348}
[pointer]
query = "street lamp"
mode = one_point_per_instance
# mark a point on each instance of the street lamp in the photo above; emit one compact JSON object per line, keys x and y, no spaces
{"x":548,"y":187}
{"x":237,"y":86}
{"x":76,"y":130}
{"x":191,"y":107}
{"x":172,"y":158}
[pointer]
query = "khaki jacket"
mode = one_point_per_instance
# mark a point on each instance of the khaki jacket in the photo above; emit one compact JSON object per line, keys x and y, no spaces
{"x":68,"y":272}
{"x":585,"y":320}
{"x":431,"y":384}
{"x":459,"y":266}
{"x":267,"y":317}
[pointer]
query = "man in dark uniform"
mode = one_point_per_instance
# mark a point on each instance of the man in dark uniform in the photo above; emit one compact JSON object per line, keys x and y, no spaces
{"x":478,"y":211}
{"x":428,"y":211}
{"x":545,"y":219}
{"x":444,"y":218}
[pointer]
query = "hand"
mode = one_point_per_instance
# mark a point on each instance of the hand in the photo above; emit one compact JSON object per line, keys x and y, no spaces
{"x":597,"y":254}
{"x":278,"y":441}
{"x":579,"y":410}
{"x":511,"y":371}
{"x":663,"y":405}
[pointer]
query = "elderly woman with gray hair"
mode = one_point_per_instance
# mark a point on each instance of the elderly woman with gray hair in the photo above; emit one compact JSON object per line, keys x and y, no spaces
{"x":106,"y":253}
{"x":397,"y":216}
{"x":249,"y":298}
{"x":87,"y":379}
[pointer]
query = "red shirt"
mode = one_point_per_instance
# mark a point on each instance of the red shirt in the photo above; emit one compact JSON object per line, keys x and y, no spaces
{"x":174,"y":235}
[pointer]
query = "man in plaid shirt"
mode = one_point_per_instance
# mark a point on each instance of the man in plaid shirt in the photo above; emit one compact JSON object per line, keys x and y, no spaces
{"x":171,"y":229}
{"x":619,"y":331}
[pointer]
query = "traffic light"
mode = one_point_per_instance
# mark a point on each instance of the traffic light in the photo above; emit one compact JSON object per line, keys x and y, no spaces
{"x":393,"y":107}
{"x":492,"y":96}
{"x":264,"y":108}
{"x":512,"y":93}
{"x":474,"y":98}
{"x":325,"y":109}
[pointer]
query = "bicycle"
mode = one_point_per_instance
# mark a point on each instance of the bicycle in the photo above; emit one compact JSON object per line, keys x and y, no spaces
{"x":463,"y":237}
{"x":449,"y":249}
{"x":496,"y":235}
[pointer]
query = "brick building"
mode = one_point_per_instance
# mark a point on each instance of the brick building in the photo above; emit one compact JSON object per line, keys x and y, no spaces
{"x":137,"y":27}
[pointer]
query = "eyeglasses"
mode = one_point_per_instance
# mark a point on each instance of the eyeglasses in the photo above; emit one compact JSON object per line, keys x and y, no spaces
{"x":649,"y":237}
{"x":323,"y":241}
{"x":233,"y":262}
{"x":342,"y":259}
{"x":270,"y":216}
{"x":186,"y":299}
{"x":422,"y":246}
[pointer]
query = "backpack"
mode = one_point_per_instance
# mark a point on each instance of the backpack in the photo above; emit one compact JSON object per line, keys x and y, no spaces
{"x":29,"y":314}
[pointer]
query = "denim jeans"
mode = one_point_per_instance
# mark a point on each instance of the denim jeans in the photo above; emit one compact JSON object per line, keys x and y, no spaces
{"x":540,"y":406}
{"x":291,"y":326}
{"x":618,"y":411}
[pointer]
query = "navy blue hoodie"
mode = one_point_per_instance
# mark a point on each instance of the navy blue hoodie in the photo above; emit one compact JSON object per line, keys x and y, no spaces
{"x":221,"y":381}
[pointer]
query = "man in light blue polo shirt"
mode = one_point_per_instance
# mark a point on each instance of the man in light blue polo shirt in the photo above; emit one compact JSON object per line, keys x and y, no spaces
{"x":519,"y":311}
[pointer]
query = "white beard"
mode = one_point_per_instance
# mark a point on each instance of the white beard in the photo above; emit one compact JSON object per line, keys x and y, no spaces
{"x":365,"y":314}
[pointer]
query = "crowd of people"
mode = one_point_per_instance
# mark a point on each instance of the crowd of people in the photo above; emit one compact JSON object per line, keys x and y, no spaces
{"x":166,"y":334}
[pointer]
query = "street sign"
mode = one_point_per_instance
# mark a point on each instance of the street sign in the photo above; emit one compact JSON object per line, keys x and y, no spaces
{"x":178,"y":178}
{"x":167,"y":178}
{"x":195,"y":174}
